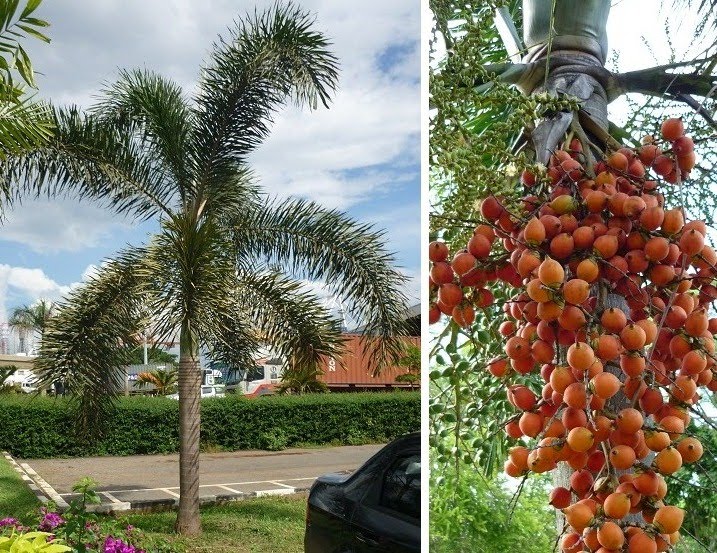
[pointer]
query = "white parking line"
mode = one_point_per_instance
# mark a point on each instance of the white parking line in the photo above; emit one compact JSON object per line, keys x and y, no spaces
{"x":111,"y":497}
{"x":280,"y":484}
{"x":282,"y":491}
{"x":165,"y":490}
{"x":226,"y":486}
{"x":44,"y":486}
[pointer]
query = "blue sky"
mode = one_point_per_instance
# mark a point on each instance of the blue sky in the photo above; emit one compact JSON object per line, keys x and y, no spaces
{"x":361,"y":156}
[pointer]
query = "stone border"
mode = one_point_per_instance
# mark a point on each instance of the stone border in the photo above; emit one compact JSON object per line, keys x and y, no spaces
{"x":39,"y":494}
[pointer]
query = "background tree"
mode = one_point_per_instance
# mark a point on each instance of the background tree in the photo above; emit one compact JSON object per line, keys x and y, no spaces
{"x":164,"y":381}
{"x":154,"y":355}
{"x":224,"y":268}
{"x":411,"y":360}
{"x":33,"y":319}
{"x":480,"y":143}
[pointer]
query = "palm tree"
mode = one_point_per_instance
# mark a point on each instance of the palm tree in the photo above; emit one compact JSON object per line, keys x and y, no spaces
{"x":163,"y":381}
{"x":222,"y":269}
{"x":30,"y":319}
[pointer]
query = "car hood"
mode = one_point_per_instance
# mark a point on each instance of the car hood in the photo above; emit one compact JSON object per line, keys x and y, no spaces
{"x":334,"y":477}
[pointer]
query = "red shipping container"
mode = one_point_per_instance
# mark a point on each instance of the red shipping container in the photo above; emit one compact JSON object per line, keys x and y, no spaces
{"x":355,"y":371}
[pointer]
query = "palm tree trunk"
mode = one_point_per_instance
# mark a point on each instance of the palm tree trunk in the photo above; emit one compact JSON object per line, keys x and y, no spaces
{"x":190,"y":381}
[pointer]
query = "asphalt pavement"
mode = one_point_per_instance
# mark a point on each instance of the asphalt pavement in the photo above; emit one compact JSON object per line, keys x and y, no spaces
{"x":150,"y":481}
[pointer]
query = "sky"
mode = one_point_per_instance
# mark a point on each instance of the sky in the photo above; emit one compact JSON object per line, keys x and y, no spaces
{"x":360,"y":156}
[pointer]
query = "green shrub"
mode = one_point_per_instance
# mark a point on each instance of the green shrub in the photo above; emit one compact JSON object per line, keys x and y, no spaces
{"x":43,"y":427}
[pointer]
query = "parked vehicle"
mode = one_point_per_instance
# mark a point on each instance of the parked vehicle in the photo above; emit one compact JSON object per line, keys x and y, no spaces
{"x":207,"y":391}
{"x":376,"y":509}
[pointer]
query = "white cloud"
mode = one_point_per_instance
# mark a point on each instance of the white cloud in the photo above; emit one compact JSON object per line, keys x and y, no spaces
{"x":29,"y":282}
{"x":59,"y":225}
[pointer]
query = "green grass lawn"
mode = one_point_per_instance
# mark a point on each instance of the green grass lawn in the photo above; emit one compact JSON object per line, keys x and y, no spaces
{"x":262,"y":525}
{"x":16,"y":499}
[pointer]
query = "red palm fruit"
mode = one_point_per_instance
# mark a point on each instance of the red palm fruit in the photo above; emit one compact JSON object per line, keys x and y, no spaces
{"x":629,"y":420}
{"x":668,"y":461}
{"x":641,"y":543}
{"x":542,"y":352}
{"x":692,"y":242}
{"x":534,"y":232}
{"x":605,"y":385}
{"x":696,"y":323}
{"x":581,"y":481}
{"x":572,"y":418}
{"x":578,"y":516}
{"x":522,"y":397}
{"x":572,"y":318}
{"x":437,"y":251}
{"x":552,"y":225}
{"x":616,"y":505}
{"x":596,"y":460}
{"x":676,"y":317}
{"x":687,"y":162}
{"x":560,"y":379}
{"x":615,"y":268}
{"x":498,"y":367}
{"x":528,"y":262}
{"x":517,"y":348}
{"x":491,"y":208}
{"x":575,"y":396}
{"x":690,"y":449}
{"x":562,"y":245}
{"x":613,"y":320}
{"x":486,"y":231}
{"x":633,"y":337}
{"x":683,"y":389}
{"x":648,"y":153}
{"x":673,"y":222}
{"x":588,"y":270}
{"x":651,"y":401}
{"x":564,"y":203}
{"x":663,"y":165}
{"x":549,"y":311}
{"x":618,"y":161}
{"x":610,"y":536}
{"x":580,"y":439}
{"x":511,"y":470}
{"x":530,"y":424}
{"x":596,"y":201}
{"x":657,"y":248}
{"x":571,"y":543}
{"x":668,"y":519}
{"x":622,"y":457}
{"x":652,"y":218}
{"x":512,"y":429}
{"x":583,"y":238}
{"x":450,"y":294}
{"x":672,"y":129}
{"x":674,"y":426}
{"x":560,"y":498}
{"x":607,"y":347}
{"x":662,"y":275}
{"x":463,"y":262}
{"x":463,"y":314}
{"x":479,"y":246}
{"x":576,"y":291}
{"x":441,"y":273}
{"x":434,"y":314}
{"x":605,"y":246}
{"x":551,"y":273}
{"x":580,"y":356}
{"x":650,"y":328}
{"x":683,"y":146}
{"x":632,"y":364}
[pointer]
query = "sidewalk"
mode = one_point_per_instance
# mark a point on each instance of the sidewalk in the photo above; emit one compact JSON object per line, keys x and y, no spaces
{"x":148,"y":482}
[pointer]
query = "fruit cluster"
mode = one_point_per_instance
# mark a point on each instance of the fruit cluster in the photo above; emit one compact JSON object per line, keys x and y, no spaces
{"x":613,"y":291}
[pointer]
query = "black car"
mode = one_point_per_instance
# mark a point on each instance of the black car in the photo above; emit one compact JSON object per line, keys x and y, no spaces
{"x":374,"y":509}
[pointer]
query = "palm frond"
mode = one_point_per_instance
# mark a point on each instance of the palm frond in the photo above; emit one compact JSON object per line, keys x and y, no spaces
{"x":14,"y":26}
{"x":288,"y":316}
{"x":91,"y":160}
{"x":24,"y":124}
{"x":156,"y":111}
{"x":266,"y":60}
{"x":86,"y":344}
{"x":307,"y":239}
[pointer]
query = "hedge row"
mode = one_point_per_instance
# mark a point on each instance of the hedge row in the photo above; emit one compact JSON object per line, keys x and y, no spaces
{"x":40,"y":427}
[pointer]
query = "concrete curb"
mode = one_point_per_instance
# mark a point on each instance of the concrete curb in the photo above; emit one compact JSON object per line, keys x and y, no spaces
{"x":39,"y":494}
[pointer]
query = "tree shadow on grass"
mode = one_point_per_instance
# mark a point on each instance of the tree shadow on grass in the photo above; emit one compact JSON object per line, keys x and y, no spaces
{"x":16,"y":500}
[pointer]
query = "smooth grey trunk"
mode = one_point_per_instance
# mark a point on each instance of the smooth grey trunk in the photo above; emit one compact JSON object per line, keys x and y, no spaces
{"x":190,"y":380}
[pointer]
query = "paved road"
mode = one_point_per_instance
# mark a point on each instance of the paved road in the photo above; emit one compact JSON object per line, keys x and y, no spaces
{"x":153,"y":477}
